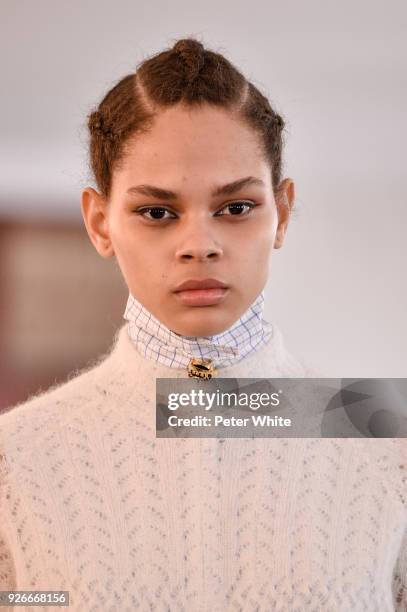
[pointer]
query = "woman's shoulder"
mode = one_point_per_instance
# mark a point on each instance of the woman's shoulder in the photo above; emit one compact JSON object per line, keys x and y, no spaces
{"x":49,"y":422}
{"x":78,"y":387}
{"x":45,"y":407}
{"x":26,"y":427}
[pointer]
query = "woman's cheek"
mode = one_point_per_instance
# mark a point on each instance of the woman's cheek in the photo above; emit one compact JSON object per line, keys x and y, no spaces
{"x":264,"y":243}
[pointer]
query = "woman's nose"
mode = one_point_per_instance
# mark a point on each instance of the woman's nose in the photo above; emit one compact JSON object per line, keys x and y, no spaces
{"x":199,"y":246}
{"x":199,"y":253}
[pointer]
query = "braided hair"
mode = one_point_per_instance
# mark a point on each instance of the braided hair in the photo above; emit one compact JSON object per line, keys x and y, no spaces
{"x":189,"y":73}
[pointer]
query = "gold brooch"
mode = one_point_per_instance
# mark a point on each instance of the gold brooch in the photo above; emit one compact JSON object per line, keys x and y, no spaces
{"x":202,"y":368}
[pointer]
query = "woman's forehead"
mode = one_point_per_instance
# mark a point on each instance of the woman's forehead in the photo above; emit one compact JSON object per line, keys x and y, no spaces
{"x":173,"y":156}
{"x":197,"y":133}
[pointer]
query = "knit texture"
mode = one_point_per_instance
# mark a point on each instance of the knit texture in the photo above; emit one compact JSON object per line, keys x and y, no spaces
{"x":91,"y":502}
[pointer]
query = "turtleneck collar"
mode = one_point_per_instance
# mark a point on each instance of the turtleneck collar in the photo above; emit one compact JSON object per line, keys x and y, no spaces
{"x":156,"y":341}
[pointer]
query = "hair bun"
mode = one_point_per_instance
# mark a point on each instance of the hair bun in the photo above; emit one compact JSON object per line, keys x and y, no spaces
{"x":192,"y":54}
{"x":186,"y":46}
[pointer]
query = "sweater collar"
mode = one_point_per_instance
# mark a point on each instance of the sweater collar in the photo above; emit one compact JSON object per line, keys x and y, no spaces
{"x":156,"y":341}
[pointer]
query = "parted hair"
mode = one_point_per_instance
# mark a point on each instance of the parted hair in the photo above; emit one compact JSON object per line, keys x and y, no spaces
{"x":187,"y":73}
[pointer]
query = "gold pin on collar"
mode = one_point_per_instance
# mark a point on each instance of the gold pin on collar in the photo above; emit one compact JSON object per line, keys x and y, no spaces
{"x":201,"y":368}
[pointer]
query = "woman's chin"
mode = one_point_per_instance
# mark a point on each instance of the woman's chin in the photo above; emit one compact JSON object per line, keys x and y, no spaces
{"x":203,"y":323}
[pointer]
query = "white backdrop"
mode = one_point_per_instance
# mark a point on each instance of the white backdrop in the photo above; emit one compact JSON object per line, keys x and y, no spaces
{"x":336,"y":71}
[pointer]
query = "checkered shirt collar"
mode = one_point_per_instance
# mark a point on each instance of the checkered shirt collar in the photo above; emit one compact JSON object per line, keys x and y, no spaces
{"x":155,"y":341}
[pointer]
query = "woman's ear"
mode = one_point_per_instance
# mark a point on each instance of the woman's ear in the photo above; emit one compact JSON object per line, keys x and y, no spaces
{"x":284,"y":201}
{"x":94,"y":212}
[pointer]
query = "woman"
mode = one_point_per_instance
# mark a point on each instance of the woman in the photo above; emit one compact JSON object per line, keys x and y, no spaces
{"x":186,"y":155}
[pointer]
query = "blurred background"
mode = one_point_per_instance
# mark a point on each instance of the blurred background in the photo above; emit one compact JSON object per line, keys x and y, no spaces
{"x":336,"y":72}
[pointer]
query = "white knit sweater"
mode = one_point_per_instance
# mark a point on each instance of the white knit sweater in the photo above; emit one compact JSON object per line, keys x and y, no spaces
{"x":91,"y":502}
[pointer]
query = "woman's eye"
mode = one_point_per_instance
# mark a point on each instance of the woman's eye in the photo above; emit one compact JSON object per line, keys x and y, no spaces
{"x":157,"y":213}
{"x":237,"y":208}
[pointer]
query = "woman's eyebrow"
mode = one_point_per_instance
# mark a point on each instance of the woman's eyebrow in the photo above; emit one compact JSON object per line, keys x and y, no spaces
{"x":165,"y":194}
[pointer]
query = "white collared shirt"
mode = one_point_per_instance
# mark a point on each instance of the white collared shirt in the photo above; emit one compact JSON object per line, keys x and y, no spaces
{"x":156,"y":341}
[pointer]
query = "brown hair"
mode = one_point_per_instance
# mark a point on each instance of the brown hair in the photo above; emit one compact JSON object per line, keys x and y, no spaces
{"x":186,"y":73}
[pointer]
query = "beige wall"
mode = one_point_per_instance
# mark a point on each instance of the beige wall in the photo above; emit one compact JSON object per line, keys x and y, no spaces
{"x":60,"y":305}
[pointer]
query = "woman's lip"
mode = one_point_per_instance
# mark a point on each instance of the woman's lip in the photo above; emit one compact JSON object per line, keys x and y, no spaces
{"x":202,"y":297}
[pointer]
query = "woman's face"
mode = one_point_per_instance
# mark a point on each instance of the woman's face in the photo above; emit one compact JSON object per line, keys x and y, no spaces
{"x":191,"y":200}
